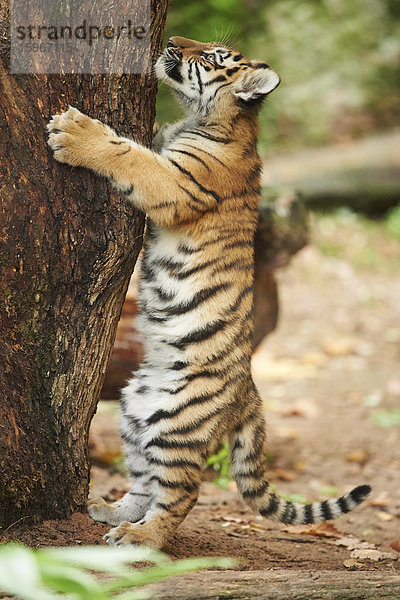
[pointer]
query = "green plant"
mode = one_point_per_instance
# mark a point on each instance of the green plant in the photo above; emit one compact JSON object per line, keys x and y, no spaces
{"x":221,"y":462}
{"x":386,"y":418}
{"x":55,"y":573}
{"x":329,"y":490}
{"x":393,"y":222}
{"x":298,"y":498}
{"x":119,"y":466}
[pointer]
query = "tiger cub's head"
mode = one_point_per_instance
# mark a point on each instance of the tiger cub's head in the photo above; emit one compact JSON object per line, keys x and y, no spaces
{"x":206,"y":76}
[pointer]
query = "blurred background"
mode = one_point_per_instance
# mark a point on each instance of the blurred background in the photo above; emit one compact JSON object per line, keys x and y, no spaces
{"x":332,"y":128}
{"x":338,"y":60}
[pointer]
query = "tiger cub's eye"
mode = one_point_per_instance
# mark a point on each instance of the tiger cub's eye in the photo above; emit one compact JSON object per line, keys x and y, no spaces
{"x":209,"y":57}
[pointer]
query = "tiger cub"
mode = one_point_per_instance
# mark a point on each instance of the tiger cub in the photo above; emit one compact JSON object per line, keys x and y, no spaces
{"x":200,"y":188}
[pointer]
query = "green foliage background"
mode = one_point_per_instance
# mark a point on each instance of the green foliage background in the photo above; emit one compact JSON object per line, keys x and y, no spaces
{"x":338,"y":60}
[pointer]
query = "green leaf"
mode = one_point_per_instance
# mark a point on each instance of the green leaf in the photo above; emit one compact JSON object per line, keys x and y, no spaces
{"x":106,"y":559}
{"x":173,"y":568}
{"x":20,"y":573}
{"x":222,"y":482}
{"x":393,"y":222}
{"x":69,"y":580}
{"x":25,"y":573}
{"x":299,"y":498}
{"x":221,"y":462}
{"x":386,"y":418}
{"x":134,"y":595}
{"x":329,"y":490}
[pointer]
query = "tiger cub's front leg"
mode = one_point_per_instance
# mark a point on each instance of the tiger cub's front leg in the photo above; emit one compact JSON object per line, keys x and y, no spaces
{"x":134,"y":505}
{"x":162,"y":188}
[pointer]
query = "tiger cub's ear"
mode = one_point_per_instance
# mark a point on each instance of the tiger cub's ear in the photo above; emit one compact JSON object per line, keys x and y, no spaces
{"x":257,"y":82}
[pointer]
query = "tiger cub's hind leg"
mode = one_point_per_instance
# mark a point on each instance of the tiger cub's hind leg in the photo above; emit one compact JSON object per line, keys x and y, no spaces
{"x":249,"y":467}
{"x":156,"y":527}
{"x":178,"y":465}
{"x":248,"y":457}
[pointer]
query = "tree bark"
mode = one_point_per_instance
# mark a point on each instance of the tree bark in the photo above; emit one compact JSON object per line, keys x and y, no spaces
{"x":68,"y":246}
{"x":282,"y":231}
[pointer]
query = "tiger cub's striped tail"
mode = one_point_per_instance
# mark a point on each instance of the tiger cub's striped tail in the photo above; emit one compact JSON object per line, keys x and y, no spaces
{"x":278,"y":509}
{"x":249,"y":469}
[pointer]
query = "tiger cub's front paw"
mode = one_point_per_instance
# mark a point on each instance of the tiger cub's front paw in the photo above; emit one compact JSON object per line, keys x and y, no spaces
{"x":75,"y":138}
{"x":101,"y":511}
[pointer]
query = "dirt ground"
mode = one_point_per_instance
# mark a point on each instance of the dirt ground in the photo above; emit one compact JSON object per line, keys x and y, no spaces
{"x":330,"y":380}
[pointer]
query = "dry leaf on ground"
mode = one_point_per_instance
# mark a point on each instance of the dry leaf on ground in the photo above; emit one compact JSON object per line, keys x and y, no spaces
{"x":284,"y":474}
{"x":234,"y":520}
{"x":395,"y":545}
{"x":300,"y":465}
{"x":286,"y":433}
{"x":340,"y":346}
{"x":378,"y":502}
{"x":393,"y":387}
{"x":321,"y":529}
{"x":302,"y":407}
{"x":352,"y":543}
{"x":362,"y":550}
{"x":314,"y":358}
{"x":352,"y":564}
{"x":384,"y":516}
{"x":371,"y":554}
{"x":275,"y":369}
{"x":254,"y":525}
{"x":359,"y":456}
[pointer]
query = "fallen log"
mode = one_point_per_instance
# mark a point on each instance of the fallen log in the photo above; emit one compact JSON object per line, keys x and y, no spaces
{"x":372,"y":191}
{"x":280,"y":585}
{"x":361,"y":174}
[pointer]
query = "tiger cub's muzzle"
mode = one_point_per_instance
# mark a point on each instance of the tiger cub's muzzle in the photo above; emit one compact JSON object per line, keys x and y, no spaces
{"x":172,"y":59}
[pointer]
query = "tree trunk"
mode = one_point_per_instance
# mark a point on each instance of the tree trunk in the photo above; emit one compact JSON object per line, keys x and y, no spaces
{"x":282,"y":231}
{"x":68,"y":246}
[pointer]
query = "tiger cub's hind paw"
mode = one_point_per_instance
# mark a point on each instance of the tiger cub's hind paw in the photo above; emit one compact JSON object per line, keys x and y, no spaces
{"x":134,"y":534}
